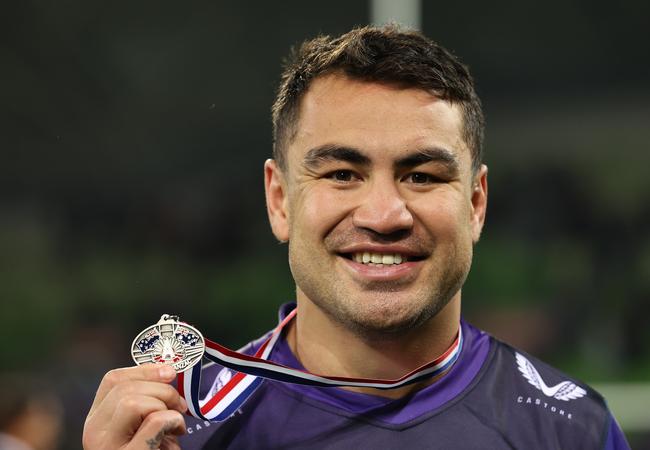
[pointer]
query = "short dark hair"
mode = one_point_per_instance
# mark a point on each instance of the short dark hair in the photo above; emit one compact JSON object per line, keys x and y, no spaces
{"x":387,"y":54}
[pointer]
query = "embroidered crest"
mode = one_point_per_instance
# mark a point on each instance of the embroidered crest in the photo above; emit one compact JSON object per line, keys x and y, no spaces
{"x":223,"y":378}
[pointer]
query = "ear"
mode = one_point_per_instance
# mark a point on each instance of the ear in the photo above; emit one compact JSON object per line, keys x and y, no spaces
{"x":479,"y":202}
{"x":276,"y":200}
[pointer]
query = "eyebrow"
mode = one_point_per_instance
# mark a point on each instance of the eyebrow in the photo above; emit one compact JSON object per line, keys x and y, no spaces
{"x":428,"y":155}
{"x":333,"y":152}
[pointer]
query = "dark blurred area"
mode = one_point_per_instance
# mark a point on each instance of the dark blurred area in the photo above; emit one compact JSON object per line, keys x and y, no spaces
{"x":31,"y":413}
{"x":133,"y":136}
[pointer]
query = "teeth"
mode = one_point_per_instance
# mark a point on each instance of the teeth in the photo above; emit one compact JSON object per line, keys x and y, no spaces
{"x":378,"y":259}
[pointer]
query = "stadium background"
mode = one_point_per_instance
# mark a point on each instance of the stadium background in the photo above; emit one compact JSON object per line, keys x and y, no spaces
{"x":133,"y":136}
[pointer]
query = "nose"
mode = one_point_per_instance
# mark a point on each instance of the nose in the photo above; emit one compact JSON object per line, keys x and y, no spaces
{"x":383,"y":209}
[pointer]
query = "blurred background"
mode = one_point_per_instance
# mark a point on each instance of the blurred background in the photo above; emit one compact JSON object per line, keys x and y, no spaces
{"x":133,"y":134}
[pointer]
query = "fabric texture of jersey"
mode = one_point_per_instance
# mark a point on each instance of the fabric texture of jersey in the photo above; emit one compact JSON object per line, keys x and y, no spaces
{"x":486,"y":400}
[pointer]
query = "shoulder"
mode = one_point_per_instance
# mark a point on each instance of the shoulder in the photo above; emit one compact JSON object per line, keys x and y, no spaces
{"x":540,"y":403}
{"x":530,"y":375}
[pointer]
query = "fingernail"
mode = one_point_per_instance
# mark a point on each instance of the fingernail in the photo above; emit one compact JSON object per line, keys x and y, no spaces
{"x":166,"y":372}
{"x":183,"y":404}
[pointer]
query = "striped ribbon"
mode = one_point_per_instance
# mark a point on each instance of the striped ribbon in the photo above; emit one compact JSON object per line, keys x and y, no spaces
{"x":251,"y":370}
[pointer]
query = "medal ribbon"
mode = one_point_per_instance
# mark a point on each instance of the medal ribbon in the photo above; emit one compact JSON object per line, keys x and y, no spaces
{"x":251,"y":370}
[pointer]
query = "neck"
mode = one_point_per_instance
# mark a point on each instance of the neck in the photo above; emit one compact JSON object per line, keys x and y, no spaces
{"x":324,"y":346}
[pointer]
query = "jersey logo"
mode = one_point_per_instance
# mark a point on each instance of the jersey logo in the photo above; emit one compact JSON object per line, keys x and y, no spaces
{"x":566,"y":390}
{"x":223,"y":378}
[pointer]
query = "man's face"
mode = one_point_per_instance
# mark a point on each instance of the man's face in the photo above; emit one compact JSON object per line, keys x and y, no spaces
{"x":378,"y":202}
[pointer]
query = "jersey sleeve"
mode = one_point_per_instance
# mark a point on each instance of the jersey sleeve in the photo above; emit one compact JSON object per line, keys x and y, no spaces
{"x":615,"y":437}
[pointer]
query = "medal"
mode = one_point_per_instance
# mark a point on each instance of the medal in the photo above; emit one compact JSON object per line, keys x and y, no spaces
{"x":169,"y":342}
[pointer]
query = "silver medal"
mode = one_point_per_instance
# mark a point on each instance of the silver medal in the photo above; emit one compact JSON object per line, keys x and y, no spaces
{"x":169,"y":342}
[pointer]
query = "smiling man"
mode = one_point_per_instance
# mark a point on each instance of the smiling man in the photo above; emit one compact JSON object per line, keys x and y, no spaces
{"x":378,"y":199}
{"x":377,"y":184}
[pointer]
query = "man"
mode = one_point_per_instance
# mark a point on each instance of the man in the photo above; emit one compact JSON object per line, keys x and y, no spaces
{"x":377,"y":184}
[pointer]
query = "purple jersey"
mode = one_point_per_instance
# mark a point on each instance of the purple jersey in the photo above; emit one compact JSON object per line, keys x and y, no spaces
{"x":493,"y":397}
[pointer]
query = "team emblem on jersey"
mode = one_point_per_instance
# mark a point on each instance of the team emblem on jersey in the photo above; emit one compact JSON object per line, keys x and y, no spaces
{"x":169,"y":342}
{"x":566,"y":390}
{"x":223,"y":378}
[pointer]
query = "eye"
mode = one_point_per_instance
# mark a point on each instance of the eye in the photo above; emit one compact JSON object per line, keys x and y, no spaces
{"x":342,"y":176}
{"x":421,"y":178}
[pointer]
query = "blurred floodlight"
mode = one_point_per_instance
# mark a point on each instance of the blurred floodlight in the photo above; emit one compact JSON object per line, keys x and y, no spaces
{"x":405,"y":12}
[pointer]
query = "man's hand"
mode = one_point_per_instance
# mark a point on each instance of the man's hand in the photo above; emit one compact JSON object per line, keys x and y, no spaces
{"x":135,"y":409}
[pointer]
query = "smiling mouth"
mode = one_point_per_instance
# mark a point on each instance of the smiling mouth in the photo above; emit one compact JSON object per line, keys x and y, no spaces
{"x":380,"y":259}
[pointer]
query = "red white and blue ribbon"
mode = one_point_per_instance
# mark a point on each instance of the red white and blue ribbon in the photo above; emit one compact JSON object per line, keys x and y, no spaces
{"x":251,"y":370}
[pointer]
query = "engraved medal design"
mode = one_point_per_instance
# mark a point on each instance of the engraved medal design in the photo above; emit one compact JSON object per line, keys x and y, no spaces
{"x":169,"y":342}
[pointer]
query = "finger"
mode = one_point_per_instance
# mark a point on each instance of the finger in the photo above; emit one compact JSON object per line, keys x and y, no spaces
{"x":128,"y":416}
{"x":124,"y":393}
{"x":131,"y":412}
{"x":170,"y":443}
{"x":155,"y":427}
{"x":163,"y":392}
{"x":146,"y":372}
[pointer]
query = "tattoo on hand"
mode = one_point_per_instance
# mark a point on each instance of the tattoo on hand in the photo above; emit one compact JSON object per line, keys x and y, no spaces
{"x":154,"y":442}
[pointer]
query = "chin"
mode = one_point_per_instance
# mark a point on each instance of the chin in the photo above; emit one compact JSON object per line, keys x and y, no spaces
{"x":387,"y":315}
